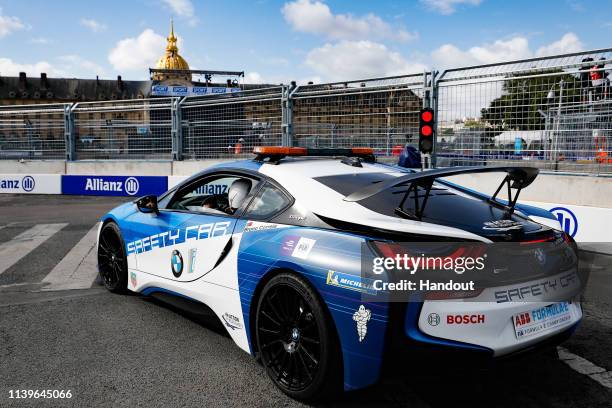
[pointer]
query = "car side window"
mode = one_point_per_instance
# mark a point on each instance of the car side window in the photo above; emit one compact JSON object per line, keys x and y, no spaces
{"x":214,"y":195}
{"x":268,"y":201}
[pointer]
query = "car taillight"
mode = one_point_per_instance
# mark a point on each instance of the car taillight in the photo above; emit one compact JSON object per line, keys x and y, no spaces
{"x":453,"y":294}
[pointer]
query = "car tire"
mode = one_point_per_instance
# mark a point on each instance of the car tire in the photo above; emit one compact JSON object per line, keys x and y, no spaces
{"x":296,"y":340}
{"x":112,"y":260}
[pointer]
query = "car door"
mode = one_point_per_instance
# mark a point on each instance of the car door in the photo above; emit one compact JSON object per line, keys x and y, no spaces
{"x":193,"y":230}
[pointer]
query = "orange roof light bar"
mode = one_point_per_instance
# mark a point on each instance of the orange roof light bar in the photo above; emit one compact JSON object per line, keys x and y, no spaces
{"x":275,"y":153}
{"x":279,"y":151}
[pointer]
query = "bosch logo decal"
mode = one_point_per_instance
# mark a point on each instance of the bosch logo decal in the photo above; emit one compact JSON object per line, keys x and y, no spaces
{"x":465,"y":319}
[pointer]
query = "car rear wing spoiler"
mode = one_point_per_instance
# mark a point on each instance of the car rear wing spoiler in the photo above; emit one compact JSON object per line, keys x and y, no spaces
{"x":516,"y":178}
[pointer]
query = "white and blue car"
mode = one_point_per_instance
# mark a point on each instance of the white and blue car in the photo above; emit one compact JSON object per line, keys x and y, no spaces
{"x":273,"y":246}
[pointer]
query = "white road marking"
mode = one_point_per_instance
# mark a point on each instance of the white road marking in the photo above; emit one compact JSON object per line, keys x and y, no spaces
{"x":78,"y":269}
{"x":12,"y":251}
{"x":584,"y":366}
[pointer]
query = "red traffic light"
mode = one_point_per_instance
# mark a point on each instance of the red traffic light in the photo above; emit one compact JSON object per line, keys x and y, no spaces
{"x":426,"y":116}
{"x":426,"y":130}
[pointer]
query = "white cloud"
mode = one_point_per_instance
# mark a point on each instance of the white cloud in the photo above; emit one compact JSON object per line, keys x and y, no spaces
{"x":93,"y":25}
{"x":358,"y":59}
{"x":76,"y":66}
{"x":8,"y":67}
{"x":315,"y":17}
{"x":40,"y":40}
{"x":137,"y":54}
{"x":253,"y":78}
{"x":449,"y":55}
{"x":182,"y":8}
{"x":10,"y":24}
{"x":448,"y":6}
{"x":568,"y":43}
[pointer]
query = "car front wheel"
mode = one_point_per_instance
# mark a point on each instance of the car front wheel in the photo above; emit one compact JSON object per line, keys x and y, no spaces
{"x":112,"y":261}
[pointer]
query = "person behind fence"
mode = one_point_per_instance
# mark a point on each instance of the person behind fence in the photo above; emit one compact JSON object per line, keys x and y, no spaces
{"x":599,"y":80}
{"x":409,"y":158}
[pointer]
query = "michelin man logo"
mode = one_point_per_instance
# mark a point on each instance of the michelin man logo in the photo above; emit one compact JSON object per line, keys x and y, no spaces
{"x":362,"y":316}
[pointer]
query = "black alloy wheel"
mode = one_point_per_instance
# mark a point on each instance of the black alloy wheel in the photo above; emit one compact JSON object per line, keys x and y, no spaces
{"x":112,"y":261}
{"x":295,"y":340}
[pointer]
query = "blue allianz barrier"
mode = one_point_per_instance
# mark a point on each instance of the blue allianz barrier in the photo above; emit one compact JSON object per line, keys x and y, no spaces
{"x":114,"y":185}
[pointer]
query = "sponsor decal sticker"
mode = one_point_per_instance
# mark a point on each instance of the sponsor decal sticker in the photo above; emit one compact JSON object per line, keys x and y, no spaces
{"x":351,"y":282}
{"x":288,"y":245}
{"x":361,"y":317}
{"x":231,"y":321}
{"x":176,"y":261}
{"x":258,"y":226}
{"x":433,"y":319}
{"x":465,"y":319}
{"x":542,"y":319}
{"x":192,"y":258}
{"x":303,"y":248}
{"x":133,"y":279}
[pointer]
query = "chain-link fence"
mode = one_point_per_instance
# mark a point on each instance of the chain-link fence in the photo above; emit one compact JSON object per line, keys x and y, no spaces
{"x":33,"y":131}
{"x":132,"y":129}
{"x":552,"y":113}
{"x":230,"y":125}
{"x":382,"y":113}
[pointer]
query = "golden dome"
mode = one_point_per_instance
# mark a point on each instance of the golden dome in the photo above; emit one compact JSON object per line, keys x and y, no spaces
{"x":171,"y":60}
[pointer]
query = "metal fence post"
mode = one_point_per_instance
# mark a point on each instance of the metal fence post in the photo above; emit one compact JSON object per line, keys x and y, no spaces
{"x":176,"y":131}
{"x":69,"y":135}
{"x":287,"y":114}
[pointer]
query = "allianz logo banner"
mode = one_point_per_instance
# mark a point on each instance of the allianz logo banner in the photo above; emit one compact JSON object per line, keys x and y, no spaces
{"x":114,"y":185}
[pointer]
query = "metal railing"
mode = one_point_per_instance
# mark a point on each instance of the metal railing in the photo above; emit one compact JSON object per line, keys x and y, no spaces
{"x":552,"y":112}
{"x":230,"y":125}
{"x":33,"y":131}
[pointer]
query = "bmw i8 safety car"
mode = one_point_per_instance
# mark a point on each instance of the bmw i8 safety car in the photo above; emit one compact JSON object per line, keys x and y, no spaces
{"x":274,"y":246}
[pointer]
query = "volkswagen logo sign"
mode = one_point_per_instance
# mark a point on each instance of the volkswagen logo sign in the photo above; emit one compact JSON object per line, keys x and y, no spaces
{"x":131,"y":186}
{"x":28,"y":183}
{"x":176,"y":261}
{"x":567,"y":219}
{"x":433,"y":319}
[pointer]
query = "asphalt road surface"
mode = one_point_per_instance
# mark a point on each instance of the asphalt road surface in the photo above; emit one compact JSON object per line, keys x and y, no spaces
{"x":59,"y":329}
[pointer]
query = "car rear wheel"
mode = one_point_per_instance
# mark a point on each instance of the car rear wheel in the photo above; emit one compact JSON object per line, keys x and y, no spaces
{"x":296,"y":339}
{"x":112,"y":262}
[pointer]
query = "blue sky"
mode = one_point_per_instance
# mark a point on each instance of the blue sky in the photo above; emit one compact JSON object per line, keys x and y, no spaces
{"x":277,"y":41}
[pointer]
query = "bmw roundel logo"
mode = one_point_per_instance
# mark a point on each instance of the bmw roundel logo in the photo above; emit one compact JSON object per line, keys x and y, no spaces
{"x":28,"y":183}
{"x":540,"y":256}
{"x":131,"y":185}
{"x":177,"y":263}
{"x":567,"y":219}
{"x":433,"y":319}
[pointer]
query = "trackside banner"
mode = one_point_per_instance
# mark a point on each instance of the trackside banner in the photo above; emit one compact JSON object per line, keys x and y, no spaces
{"x":114,"y":185}
{"x":31,"y":183}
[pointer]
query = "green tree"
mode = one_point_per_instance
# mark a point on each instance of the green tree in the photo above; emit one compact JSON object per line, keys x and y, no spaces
{"x":524,"y":94}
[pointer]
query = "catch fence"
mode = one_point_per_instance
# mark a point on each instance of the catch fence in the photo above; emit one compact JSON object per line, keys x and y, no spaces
{"x":552,"y":112}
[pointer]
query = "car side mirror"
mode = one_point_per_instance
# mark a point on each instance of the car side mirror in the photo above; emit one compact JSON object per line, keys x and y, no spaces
{"x":147,"y":204}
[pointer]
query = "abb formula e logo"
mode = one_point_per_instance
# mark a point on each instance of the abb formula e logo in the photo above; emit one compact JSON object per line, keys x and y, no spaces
{"x":465,"y":319}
